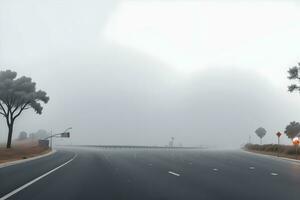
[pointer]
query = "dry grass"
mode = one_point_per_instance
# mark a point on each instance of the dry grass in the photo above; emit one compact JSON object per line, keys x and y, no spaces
{"x":287,"y":151}
{"x":21,"y":150}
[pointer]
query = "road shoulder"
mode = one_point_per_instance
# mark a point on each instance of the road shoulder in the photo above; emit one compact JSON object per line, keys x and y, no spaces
{"x":10,"y":163}
{"x":271,"y":156}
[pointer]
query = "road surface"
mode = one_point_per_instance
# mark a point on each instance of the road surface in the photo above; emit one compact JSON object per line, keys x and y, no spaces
{"x":142,"y":174}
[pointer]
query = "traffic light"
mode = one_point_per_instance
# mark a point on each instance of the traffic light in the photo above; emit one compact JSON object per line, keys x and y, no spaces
{"x":65,"y":134}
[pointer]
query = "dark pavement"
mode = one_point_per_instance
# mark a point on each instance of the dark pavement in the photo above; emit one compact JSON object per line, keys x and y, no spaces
{"x":142,"y":174}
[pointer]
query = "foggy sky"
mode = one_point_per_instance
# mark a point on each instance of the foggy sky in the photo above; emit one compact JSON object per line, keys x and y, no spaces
{"x":114,"y":93}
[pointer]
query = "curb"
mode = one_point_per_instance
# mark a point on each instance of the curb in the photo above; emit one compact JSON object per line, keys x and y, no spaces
{"x":274,"y":157}
{"x":26,"y":160}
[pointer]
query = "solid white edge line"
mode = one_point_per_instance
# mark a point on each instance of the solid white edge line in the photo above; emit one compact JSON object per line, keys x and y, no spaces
{"x":274,"y":157}
{"x":173,"y":173}
{"x":35,"y":180}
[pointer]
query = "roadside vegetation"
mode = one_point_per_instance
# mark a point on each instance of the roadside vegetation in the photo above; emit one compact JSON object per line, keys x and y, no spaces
{"x":22,"y":149}
{"x":260,"y":132}
{"x":25,"y":146}
{"x":292,"y":130}
{"x":16,"y":96}
{"x":273,"y":149}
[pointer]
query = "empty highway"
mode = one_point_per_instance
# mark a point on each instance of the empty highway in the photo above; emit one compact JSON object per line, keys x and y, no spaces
{"x":135,"y":174}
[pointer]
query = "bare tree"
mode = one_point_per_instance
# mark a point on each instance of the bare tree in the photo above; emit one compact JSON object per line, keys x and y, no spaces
{"x":294,"y":75}
{"x":260,"y":132}
{"x":17,"y":95}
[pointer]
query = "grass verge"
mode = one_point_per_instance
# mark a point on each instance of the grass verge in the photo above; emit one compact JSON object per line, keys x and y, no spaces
{"x":287,"y":151}
{"x":22,"y":150}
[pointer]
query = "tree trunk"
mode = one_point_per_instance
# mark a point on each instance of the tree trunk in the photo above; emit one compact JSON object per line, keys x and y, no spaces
{"x":10,"y":132}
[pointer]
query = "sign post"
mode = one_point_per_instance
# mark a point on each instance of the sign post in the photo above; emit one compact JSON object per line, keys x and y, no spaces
{"x":278,"y":137}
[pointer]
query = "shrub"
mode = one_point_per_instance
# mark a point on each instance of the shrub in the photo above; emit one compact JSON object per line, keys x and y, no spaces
{"x":287,"y":149}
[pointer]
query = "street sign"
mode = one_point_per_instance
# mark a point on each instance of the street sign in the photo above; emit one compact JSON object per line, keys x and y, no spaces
{"x":65,"y":134}
{"x":278,"y":134}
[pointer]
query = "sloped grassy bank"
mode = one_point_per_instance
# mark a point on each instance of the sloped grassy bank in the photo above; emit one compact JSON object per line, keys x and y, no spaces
{"x":22,"y":150}
{"x":288,"y":151}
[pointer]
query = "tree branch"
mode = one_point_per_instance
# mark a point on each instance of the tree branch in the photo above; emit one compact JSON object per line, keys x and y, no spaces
{"x":7,"y":120}
{"x":17,"y":107}
{"x":20,"y":111}
{"x":2,"y":108}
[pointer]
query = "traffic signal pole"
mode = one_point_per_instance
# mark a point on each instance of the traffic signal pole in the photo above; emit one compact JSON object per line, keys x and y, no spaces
{"x":64,"y":134}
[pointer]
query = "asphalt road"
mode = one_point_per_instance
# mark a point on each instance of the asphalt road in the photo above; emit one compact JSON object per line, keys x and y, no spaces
{"x":141,"y":174}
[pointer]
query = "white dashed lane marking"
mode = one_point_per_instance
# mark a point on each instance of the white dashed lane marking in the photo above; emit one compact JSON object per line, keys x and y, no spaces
{"x":173,"y":173}
{"x":274,"y":174}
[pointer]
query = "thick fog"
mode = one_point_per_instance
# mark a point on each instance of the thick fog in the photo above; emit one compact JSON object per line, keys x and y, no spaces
{"x":117,"y":87}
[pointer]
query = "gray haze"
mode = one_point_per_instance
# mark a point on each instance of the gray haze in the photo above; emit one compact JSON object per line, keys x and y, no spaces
{"x":113,"y":94}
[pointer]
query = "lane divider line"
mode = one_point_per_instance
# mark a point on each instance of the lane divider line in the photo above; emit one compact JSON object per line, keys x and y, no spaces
{"x":35,"y":180}
{"x":274,"y":174}
{"x":173,"y":173}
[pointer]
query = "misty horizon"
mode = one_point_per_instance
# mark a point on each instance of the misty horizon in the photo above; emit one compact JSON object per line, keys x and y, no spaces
{"x":119,"y":75}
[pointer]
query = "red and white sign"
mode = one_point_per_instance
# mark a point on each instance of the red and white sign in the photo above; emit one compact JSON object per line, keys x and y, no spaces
{"x":278,"y":134}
